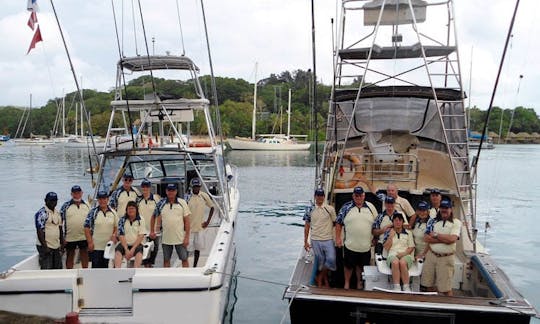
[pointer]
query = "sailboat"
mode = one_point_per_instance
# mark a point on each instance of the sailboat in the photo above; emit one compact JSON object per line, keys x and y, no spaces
{"x":405,"y":124}
{"x":33,"y":140}
{"x":269,"y":142}
{"x":147,"y":295}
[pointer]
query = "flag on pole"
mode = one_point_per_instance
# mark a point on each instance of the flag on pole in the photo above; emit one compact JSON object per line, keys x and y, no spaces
{"x":32,"y":20}
{"x":36,"y":39}
{"x":32,"y":6}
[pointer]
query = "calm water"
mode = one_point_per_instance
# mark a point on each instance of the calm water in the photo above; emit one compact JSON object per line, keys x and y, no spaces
{"x":274,"y":190}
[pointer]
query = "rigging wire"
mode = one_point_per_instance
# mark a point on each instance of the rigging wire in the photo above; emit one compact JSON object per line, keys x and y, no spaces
{"x":508,"y":37}
{"x":134,"y":28}
{"x":79,"y":90}
{"x":180,"y":27}
{"x":314,"y":102}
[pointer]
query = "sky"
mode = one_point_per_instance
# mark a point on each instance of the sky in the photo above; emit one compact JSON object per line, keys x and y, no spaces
{"x":276,"y":34}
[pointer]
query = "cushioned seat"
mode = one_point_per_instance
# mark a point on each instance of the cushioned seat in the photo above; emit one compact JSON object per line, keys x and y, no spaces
{"x":148,"y":246}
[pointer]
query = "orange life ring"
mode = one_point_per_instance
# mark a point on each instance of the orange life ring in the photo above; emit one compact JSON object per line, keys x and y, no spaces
{"x":200,"y":144}
{"x":357,"y":176}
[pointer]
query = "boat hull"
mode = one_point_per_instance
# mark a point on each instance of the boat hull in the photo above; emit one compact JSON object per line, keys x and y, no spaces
{"x":240,"y":144}
{"x":328,"y":311}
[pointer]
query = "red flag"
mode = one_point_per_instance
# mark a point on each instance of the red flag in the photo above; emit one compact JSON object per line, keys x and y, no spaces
{"x":36,"y":39}
{"x":32,"y":20}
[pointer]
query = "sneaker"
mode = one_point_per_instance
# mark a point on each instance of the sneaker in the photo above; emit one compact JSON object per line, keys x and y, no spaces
{"x":406,"y":288}
{"x":397,"y":287}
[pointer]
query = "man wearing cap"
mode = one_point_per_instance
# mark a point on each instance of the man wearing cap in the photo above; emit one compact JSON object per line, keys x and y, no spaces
{"x":319,"y":222}
{"x":383,"y":222}
{"x":402,"y":205}
{"x":121,"y":196}
{"x":100,"y":227}
{"x":147,"y":203}
{"x":174,"y":215}
{"x":356,"y":218}
{"x":399,"y":243}
{"x":50,"y":238}
{"x":442,"y":232}
{"x":74,"y":212}
{"x":435,"y":199}
{"x":419,"y":229}
{"x":198,"y":201}
{"x":131,"y":231}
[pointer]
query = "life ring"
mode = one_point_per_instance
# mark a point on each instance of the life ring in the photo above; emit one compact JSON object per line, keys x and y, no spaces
{"x":200,"y":144}
{"x":357,"y":176}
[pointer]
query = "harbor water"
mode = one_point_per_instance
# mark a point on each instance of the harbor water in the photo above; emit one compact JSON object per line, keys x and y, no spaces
{"x":275,"y":187}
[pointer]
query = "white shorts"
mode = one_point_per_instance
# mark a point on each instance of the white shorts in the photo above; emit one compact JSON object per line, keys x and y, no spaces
{"x":196,"y":241}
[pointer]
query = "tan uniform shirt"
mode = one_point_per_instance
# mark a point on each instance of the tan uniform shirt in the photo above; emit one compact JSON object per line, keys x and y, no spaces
{"x":418,"y":233}
{"x":146,"y":210}
{"x":172,"y":221}
{"x":403,"y":206}
{"x":102,"y":226}
{"x":401,"y":242}
{"x":131,"y":229}
{"x":74,"y":221}
{"x":358,"y":223}
{"x":446,"y":227}
{"x":197,"y":205}
{"x":321,"y":222}
{"x":49,"y":221}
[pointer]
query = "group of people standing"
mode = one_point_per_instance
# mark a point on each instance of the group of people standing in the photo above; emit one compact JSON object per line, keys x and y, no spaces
{"x":430,"y":232}
{"x":128,"y":217}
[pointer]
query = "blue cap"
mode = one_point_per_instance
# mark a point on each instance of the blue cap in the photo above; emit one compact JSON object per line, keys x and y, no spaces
{"x":389,"y":200}
{"x":128,"y":176}
{"x":51,"y":196}
{"x":76,"y":188}
{"x":172,"y":186}
{"x":435,"y":191}
{"x":195,"y":182}
{"x":423,"y":205}
{"x":446,"y":203}
{"x":319,"y":192}
{"x":146,"y":183}
{"x":358,"y":190}
{"x":102,"y":194}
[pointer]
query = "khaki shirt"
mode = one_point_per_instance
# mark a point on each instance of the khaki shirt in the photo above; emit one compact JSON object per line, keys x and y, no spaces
{"x":131,"y":229}
{"x":49,"y":221}
{"x":403,"y":206}
{"x":74,"y":217}
{"x":147,"y":208}
{"x":172,"y":220}
{"x":120,"y":197}
{"x":358,"y":223}
{"x":197,"y":205}
{"x":401,"y":242}
{"x":418,"y":233}
{"x":321,"y":221}
{"x":101,"y":225}
{"x":445,"y":227}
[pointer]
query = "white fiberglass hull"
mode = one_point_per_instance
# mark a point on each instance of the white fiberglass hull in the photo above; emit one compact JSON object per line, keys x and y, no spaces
{"x":128,"y":295}
{"x":240,"y":144}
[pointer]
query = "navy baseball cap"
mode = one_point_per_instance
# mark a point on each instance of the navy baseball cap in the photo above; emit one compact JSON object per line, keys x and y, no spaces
{"x":195,"y":182}
{"x":76,"y":188}
{"x":146,"y":183}
{"x":102,"y":194}
{"x":128,"y":176}
{"x":389,"y":200}
{"x":435,"y":191}
{"x":319,"y":192}
{"x":50,"y":196}
{"x":172,"y":186}
{"x":358,"y":190}
{"x":446,"y":203}
{"x":423,"y":205}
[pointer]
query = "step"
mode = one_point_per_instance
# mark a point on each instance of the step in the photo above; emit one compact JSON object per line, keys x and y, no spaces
{"x":106,"y":312}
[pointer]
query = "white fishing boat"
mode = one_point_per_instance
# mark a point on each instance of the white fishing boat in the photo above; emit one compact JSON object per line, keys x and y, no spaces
{"x":269,"y":142}
{"x":147,"y":295}
{"x":402,"y":121}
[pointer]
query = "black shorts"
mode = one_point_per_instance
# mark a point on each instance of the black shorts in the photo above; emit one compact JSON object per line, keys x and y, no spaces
{"x":120,"y":248}
{"x":353,"y":259}
{"x":76,"y":244}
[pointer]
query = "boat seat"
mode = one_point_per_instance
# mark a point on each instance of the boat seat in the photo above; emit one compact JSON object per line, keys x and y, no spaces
{"x":148,"y":246}
{"x":414,"y":271}
{"x":382,"y":152}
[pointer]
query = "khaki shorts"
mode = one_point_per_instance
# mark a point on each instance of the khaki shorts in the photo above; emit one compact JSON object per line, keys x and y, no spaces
{"x":438,"y":271}
{"x":408,"y":258}
{"x":196,"y":241}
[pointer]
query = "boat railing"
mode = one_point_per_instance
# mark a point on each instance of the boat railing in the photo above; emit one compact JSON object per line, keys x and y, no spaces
{"x":383,"y":167}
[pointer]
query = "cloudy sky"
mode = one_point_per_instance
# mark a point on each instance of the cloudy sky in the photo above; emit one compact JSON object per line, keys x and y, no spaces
{"x":276,"y":34}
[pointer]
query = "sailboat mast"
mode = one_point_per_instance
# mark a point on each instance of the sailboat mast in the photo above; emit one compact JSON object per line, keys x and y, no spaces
{"x":64,"y":116}
{"x":253,"y":121}
{"x":289,"y":116}
{"x":76,"y":118}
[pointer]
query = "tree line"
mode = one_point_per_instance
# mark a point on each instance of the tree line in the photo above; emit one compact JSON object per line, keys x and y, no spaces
{"x":236,"y":104}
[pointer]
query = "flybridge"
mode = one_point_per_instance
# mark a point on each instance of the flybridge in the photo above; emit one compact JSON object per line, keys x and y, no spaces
{"x":158,"y":62}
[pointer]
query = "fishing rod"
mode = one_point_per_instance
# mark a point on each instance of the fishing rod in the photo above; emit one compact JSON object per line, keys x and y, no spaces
{"x":314,"y":102}
{"x":484,"y":131}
